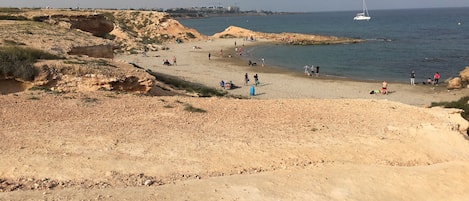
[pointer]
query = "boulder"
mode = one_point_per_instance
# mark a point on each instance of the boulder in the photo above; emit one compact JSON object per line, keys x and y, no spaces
{"x":464,"y":74}
{"x":454,"y":83}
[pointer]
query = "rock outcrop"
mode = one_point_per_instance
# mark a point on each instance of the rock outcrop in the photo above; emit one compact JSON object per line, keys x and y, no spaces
{"x":89,"y":74}
{"x":288,"y":38}
{"x":454,"y":83}
{"x":99,"y":51}
{"x":95,"y":24}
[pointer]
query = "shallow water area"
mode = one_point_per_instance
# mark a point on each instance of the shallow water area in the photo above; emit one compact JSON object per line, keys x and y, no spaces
{"x":9,"y":86}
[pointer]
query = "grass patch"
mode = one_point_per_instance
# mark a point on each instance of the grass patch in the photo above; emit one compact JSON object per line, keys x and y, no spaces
{"x":89,"y":100}
{"x":39,"y":88}
{"x":462,"y":103}
{"x":190,"y":108}
{"x":33,"y":98}
{"x":180,"y":84}
{"x":11,"y":17}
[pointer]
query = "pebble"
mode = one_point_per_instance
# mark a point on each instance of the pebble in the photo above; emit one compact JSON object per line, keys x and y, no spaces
{"x":148,"y":182}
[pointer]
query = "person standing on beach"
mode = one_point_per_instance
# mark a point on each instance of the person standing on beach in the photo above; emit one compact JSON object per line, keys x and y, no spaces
{"x":256,"y":79}
{"x":209,"y":55}
{"x":174,"y":61}
{"x":246,"y":79}
{"x":307,"y":70}
{"x":436,"y":78}
{"x":317,"y":71}
{"x":263,"y":62}
{"x":412,"y":78}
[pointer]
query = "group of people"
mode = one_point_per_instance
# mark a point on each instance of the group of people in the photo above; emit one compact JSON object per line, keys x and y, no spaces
{"x":430,"y":81}
{"x":250,"y":63}
{"x":167,"y":63}
{"x":246,"y":79}
{"x":311,"y":70}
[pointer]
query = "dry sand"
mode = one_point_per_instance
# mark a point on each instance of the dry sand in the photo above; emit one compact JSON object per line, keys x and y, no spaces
{"x":300,"y":138}
{"x":193,"y":65}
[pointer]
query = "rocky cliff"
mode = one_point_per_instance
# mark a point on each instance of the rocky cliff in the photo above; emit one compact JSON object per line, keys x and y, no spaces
{"x":287,"y":38}
{"x":81,"y":36}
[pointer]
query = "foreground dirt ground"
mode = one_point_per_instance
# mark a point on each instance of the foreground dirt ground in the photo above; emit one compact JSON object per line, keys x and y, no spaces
{"x":109,"y":146}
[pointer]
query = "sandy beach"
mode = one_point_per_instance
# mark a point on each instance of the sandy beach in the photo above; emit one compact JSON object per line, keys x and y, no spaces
{"x":194,"y":65}
{"x":89,"y":131}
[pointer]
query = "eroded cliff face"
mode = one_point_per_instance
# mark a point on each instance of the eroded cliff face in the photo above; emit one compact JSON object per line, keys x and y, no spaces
{"x":148,"y":30}
{"x":96,"y":24}
{"x":81,"y":36}
{"x":87,"y":74}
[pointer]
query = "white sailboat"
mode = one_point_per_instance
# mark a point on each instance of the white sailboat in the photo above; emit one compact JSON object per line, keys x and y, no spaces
{"x":363,"y":15}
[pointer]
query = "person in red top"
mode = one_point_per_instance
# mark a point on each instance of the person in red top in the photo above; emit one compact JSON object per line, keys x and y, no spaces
{"x":436,"y":78}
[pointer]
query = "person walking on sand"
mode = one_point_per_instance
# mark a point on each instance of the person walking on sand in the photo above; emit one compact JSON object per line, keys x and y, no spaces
{"x":317,"y":71}
{"x":246,"y":79}
{"x":412,"y":78}
{"x":263,"y":62}
{"x":209,"y":55}
{"x":174,"y":61}
{"x":256,"y":79}
{"x":436,"y":78}
{"x":384,"y":88}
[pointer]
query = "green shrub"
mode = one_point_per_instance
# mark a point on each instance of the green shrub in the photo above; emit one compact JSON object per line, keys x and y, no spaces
{"x":9,"y":17}
{"x":190,"y":35}
{"x":18,"y":62}
{"x":227,"y":36}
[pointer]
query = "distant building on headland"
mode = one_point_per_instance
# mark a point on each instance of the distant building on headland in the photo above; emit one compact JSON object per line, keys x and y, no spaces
{"x":205,"y":9}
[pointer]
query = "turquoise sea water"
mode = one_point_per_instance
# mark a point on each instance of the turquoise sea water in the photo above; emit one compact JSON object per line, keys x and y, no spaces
{"x":397,"y":42}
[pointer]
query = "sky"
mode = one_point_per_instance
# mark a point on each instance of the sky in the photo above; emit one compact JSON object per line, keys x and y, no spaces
{"x":270,"y":5}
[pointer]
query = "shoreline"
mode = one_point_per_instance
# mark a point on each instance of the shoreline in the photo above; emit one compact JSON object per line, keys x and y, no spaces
{"x":276,"y":83}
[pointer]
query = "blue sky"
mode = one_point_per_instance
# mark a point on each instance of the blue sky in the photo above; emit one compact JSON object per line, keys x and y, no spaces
{"x":273,"y":5}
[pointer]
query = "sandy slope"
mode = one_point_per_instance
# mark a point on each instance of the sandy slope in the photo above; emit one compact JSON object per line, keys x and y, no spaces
{"x":281,"y":149}
{"x":300,"y":138}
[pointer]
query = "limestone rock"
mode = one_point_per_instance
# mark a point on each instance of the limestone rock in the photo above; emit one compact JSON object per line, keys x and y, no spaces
{"x":464,"y":74}
{"x":454,"y":83}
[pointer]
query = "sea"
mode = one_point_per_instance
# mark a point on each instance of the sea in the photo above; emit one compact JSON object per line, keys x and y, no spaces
{"x":396,"y":42}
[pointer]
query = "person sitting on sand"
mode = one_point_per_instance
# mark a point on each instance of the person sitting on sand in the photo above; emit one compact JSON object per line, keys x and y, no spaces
{"x":166,"y":62}
{"x":222,"y":84}
{"x":429,"y":81}
{"x":384,"y":88}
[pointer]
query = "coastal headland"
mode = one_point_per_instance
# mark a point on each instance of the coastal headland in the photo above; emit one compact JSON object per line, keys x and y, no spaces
{"x":104,"y":128}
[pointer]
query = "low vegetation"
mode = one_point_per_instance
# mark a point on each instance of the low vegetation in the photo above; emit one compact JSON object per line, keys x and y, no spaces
{"x":177,"y":83}
{"x":460,"y":104}
{"x":190,"y":108}
{"x":17,"y":62}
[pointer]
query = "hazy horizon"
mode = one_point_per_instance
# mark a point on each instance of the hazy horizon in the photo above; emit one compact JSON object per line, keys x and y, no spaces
{"x":281,"y":6}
